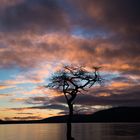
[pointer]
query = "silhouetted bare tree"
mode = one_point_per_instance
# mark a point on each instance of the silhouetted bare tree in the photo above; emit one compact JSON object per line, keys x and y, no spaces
{"x":71,"y":81}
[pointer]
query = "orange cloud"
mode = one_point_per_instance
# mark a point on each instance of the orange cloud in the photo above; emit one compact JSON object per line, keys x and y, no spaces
{"x":18,"y":99}
{"x":52,"y":93}
{"x":6,"y":87}
{"x":119,"y":85}
{"x":5,"y":95}
{"x":3,"y":86}
{"x":34,"y":91}
{"x":103,"y":95}
{"x":64,"y":48}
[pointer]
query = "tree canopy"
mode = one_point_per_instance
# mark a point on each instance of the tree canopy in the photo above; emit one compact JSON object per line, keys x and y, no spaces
{"x":72,"y":80}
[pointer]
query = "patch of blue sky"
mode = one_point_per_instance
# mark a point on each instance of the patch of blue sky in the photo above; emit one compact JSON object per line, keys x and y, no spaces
{"x":9,"y":90}
{"x":109,"y":76}
{"x":84,"y":33}
{"x":8,"y":103}
{"x":19,"y":90}
{"x":4,"y":102}
{"x":25,"y":88}
{"x":8,"y":73}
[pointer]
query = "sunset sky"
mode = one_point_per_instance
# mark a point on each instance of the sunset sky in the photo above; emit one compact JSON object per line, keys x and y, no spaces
{"x":38,"y":37}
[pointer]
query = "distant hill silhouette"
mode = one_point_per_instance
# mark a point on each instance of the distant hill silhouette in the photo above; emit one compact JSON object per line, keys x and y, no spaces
{"x":118,"y":114}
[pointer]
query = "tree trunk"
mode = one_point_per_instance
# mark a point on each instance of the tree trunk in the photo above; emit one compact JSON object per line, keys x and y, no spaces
{"x":70,"y":109}
{"x":69,"y":136}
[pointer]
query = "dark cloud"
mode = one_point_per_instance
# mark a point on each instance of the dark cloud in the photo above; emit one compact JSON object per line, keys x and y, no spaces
{"x":57,"y":106}
{"x":87,"y":102}
{"x":120,"y":16}
{"x":40,"y":102}
{"x":37,"y":100}
{"x":120,"y":20}
{"x":118,"y":97}
{"x":116,"y":21}
{"x":39,"y":15}
{"x":52,"y":106}
{"x":45,"y":103}
{"x":127,"y":78}
{"x":25,"y":56}
{"x":7,"y":3}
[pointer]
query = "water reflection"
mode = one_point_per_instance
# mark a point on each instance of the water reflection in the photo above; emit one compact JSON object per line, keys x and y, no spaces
{"x":80,"y":131}
{"x":69,"y":130}
{"x":125,"y":130}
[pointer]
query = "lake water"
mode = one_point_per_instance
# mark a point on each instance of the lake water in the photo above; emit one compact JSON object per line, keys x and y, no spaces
{"x":80,"y":131}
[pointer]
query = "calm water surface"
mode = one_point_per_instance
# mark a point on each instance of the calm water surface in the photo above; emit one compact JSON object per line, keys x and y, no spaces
{"x":80,"y":131}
